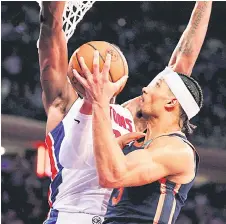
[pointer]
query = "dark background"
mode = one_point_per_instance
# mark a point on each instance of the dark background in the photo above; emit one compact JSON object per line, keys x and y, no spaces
{"x":147,"y":33}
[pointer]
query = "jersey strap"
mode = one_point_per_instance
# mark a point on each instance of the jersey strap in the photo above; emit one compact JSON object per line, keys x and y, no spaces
{"x":147,"y":143}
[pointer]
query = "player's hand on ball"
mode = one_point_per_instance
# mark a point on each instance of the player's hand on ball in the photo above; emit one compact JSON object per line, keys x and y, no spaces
{"x":99,"y":89}
{"x":127,"y":138}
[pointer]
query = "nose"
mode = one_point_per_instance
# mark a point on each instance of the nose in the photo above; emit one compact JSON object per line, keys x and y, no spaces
{"x":144,"y":90}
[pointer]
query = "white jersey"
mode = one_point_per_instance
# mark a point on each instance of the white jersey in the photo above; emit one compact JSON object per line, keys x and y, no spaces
{"x":76,"y":190}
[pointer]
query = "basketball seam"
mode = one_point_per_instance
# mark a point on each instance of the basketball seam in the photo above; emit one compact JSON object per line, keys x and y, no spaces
{"x":122,"y":62}
{"x":76,"y":55}
{"x":120,"y":56}
{"x":78,"y":91}
{"x":101,"y":58}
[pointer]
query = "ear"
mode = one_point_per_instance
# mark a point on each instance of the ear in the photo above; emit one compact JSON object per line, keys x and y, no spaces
{"x":171,"y":103}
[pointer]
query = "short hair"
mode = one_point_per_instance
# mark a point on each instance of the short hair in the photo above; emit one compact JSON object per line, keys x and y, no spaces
{"x":196,"y":91}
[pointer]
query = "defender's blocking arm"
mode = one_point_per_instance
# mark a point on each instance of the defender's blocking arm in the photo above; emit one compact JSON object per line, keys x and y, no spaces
{"x":187,"y":50}
{"x":53,"y":58}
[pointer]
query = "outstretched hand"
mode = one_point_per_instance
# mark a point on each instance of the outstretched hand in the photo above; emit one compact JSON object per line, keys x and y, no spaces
{"x":99,"y":89}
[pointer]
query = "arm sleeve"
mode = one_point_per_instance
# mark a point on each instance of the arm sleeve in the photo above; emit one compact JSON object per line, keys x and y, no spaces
{"x":77,"y":147}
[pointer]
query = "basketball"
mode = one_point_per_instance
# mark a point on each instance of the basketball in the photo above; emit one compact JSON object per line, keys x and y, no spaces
{"x":119,"y":66}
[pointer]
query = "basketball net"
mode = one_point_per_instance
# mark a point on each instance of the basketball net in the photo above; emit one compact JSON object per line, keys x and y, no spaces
{"x":74,"y":11}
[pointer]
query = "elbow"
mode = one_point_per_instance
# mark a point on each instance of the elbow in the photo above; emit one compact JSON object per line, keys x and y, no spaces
{"x":103,"y":183}
{"x":107,"y":180}
{"x":106,"y":183}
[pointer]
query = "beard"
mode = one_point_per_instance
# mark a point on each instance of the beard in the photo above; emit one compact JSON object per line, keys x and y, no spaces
{"x":139,"y":114}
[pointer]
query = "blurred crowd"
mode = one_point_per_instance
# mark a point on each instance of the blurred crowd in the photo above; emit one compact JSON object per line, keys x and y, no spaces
{"x":147,"y":34}
{"x":24,"y":196}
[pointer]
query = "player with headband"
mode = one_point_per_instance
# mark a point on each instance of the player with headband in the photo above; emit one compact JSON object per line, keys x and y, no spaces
{"x":74,"y":191}
{"x":151,"y":181}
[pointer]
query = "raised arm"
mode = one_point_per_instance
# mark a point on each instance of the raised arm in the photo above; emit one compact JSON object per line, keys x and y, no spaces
{"x":53,"y":59}
{"x":187,"y":50}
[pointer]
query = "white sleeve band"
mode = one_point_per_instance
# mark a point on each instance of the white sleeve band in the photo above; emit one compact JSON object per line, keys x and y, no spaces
{"x":77,"y":150}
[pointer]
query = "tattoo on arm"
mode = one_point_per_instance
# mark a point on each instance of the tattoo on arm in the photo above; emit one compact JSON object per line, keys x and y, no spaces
{"x":185,"y":47}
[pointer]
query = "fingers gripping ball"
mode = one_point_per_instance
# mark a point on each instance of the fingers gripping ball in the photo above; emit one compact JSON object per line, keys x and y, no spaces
{"x":118,"y":69}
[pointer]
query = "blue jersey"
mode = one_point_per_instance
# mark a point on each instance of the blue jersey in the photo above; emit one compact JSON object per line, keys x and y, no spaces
{"x":157,"y":202}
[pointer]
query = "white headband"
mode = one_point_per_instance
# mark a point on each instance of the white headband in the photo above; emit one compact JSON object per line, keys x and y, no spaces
{"x":179,"y":90}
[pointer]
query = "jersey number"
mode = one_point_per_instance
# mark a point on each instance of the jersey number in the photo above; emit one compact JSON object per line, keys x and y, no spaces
{"x":120,"y":190}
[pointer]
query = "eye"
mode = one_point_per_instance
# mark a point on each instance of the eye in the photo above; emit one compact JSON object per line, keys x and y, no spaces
{"x":144,"y":90}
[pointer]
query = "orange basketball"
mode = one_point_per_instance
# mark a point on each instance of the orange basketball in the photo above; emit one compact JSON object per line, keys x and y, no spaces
{"x":119,"y":66}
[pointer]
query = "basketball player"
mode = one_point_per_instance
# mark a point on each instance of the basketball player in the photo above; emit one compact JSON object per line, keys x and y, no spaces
{"x":152,"y":180}
{"x":73,"y":193}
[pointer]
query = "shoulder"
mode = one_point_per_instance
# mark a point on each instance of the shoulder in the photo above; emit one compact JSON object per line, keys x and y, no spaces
{"x":173,"y":153}
{"x":171,"y":142}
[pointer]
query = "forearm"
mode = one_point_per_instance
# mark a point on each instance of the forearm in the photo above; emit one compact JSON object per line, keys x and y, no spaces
{"x":52,"y":41}
{"x":110,"y":160}
{"x":76,"y":151}
{"x":190,"y":43}
{"x":53,"y":55}
{"x":51,"y":13}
